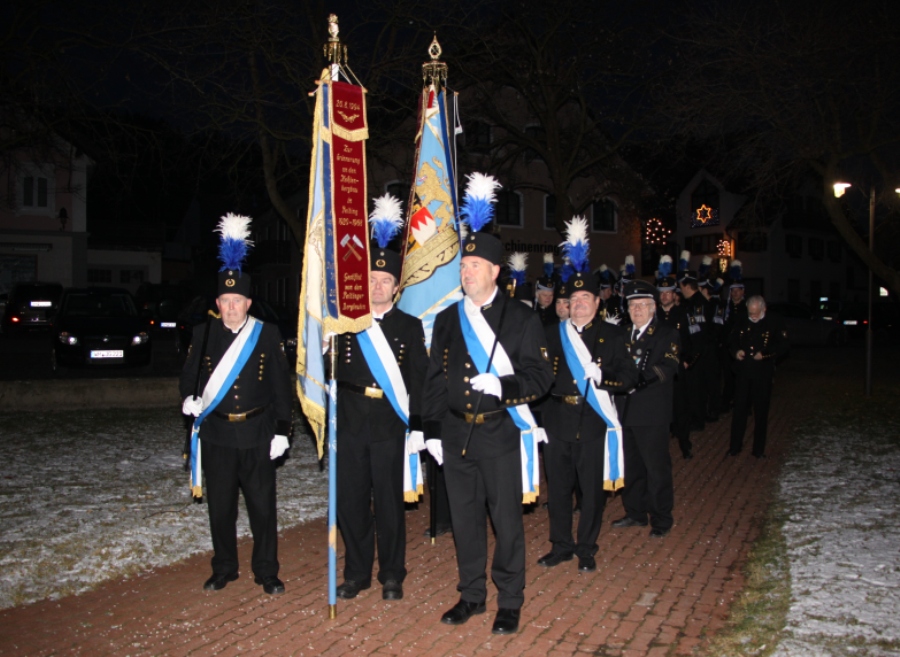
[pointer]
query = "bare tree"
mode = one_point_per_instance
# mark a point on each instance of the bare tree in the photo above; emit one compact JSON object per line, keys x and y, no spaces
{"x":790,"y":90}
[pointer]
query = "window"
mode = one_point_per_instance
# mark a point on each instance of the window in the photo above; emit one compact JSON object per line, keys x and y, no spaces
{"x":508,"y":210}
{"x":35,"y":192}
{"x":550,"y":211}
{"x":793,"y":244}
{"x":834,"y":251}
{"x":834,"y":290}
{"x":538,"y":134}
{"x":815,"y":290}
{"x":477,"y":136}
{"x":704,"y":244}
{"x":603,"y":216}
{"x":753,"y":241}
{"x":793,"y":286}
{"x":816,"y":248}
{"x":400,"y":190}
{"x":99,"y":276}
{"x":127,"y":276}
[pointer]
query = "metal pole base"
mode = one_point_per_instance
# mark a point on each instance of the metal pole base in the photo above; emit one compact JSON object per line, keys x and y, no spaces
{"x":332,"y":612}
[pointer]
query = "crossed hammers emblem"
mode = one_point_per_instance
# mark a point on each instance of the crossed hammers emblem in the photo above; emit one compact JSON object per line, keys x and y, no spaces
{"x":350,"y":248}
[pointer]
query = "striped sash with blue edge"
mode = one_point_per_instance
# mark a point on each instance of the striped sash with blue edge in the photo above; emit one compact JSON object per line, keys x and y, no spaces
{"x":480,"y":337}
{"x":576,"y":354}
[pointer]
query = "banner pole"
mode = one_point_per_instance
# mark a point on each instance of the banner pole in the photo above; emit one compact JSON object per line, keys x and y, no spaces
{"x":332,"y":480}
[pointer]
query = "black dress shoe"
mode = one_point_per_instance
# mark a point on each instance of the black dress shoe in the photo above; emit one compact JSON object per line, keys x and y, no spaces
{"x":554,"y":559}
{"x":439,"y":530}
{"x":587,"y":564}
{"x":628,"y":521}
{"x":732,"y":452}
{"x":759,"y":456}
{"x":688,"y":454}
{"x":350,"y":589}
{"x":461,"y":612}
{"x":218,"y":581}
{"x":271,"y":584}
{"x":656,"y":532}
{"x":506,"y":622}
{"x":392,"y":590}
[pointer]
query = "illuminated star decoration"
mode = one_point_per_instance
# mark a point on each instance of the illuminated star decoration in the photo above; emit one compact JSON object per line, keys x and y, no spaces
{"x":705,"y":216}
{"x":656,"y":233}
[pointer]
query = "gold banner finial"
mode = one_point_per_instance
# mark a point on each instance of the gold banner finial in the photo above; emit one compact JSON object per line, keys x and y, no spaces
{"x":435,"y":71}
{"x":335,"y":52}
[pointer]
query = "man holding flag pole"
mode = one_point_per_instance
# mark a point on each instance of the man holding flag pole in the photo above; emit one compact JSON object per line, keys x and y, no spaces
{"x":380,"y":372}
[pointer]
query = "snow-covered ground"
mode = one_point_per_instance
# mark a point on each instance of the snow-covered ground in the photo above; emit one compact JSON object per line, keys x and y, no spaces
{"x":91,"y":495}
{"x":841,"y":491}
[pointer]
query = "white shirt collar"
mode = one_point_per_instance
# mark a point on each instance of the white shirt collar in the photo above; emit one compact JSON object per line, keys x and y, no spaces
{"x":381,"y":315}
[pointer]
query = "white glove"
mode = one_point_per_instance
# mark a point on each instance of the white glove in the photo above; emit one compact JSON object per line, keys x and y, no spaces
{"x":489,"y":384}
{"x":279,"y":446}
{"x":192,"y":406}
{"x":592,"y":371}
{"x":434,"y":447}
{"x":415,"y":442}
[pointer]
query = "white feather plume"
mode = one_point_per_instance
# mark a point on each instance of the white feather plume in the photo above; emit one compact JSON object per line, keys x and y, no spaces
{"x":685,"y":255}
{"x":736,"y":263}
{"x":388,"y":207}
{"x":629,"y":260}
{"x":612,"y":319}
{"x":517,"y":261}
{"x":665,"y":258}
{"x":235,"y":226}
{"x":482,"y":186}
{"x":707,"y":260}
{"x":577,"y":230}
{"x":548,"y":257}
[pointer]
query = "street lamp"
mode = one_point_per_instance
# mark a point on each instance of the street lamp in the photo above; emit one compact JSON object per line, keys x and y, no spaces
{"x":839,"y":189}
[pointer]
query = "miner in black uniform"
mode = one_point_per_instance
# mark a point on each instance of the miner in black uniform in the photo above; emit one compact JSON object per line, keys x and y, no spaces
{"x":646,"y":413}
{"x":544,"y":300}
{"x":574,"y":453}
{"x":489,"y":477}
{"x":243,"y":433}
{"x":669,"y":314}
{"x":371,"y":438}
{"x":713,"y":363}
{"x":756,"y":343}
{"x":699,"y":313}
{"x":735,"y":311}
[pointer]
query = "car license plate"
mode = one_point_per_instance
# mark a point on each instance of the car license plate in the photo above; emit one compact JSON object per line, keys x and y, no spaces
{"x":107,"y":353}
{"x":41,"y":304}
{"x":167,"y":324}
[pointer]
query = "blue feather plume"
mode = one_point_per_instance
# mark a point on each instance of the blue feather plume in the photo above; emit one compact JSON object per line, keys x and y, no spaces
{"x":477,"y":208}
{"x":629,"y":265}
{"x":548,"y":265}
{"x":566,"y":272}
{"x":233,"y":243}
{"x":665,"y":266}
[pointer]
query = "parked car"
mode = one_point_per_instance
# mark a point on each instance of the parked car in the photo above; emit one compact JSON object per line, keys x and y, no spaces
{"x":885,"y":319}
{"x":161,"y":303}
{"x":99,"y":327}
{"x":31,"y":306}
{"x":804,"y":327}
{"x":197,"y":310}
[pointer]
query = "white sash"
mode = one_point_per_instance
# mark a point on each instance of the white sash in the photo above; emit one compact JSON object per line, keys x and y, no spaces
{"x":614,"y":458}
{"x":383,"y":365}
{"x":531,"y":434}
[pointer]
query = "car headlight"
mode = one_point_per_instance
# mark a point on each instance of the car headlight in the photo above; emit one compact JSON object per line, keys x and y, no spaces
{"x":140,"y":338}
{"x":67,"y":338}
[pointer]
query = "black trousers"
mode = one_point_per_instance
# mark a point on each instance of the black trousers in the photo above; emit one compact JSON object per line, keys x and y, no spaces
{"x":697,"y":385}
{"x":227,"y":470}
{"x":439,"y":486}
{"x":476,"y":486}
{"x":569,"y":465}
{"x":713,"y":374}
{"x":371,"y":472}
{"x":681,"y":411}
{"x":755,"y":392}
{"x":648,"y":475}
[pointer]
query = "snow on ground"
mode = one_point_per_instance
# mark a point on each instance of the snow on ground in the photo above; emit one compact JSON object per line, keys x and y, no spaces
{"x":841,"y":490}
{"x":92,"y":495}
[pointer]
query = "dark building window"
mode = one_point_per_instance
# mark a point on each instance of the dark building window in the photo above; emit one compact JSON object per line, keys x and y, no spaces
{"x":753,"y":241}
{"x":99,"y":275}
{"x":703,"y":244}
{"x":835,"y":290}
{"x":793,"y":244}
{"x":816,"y":248}
{"x":478,"y":136}
{"x":549,"y":211}
{"x":793,"y":290}
{"x":603,"y":216}
{"x":834,"y":251}
{"x":508,"y":210}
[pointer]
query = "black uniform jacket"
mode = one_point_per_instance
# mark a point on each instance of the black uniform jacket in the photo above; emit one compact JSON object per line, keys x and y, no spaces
{"x":570,"y":422}
{"x":656,"y":354}
{"x":675,"y":318}
{"x":767,"y":336}
{"x":700,"y":314}
{"x":357,"y":412}
{"x":448,"y":387}
{"x":263,"y":383}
